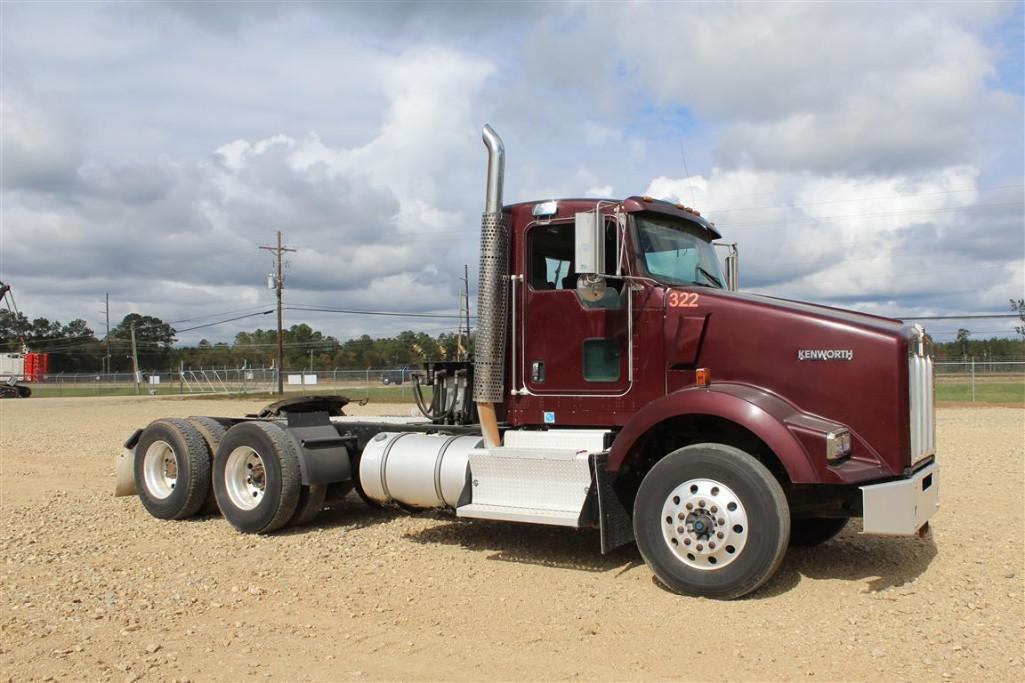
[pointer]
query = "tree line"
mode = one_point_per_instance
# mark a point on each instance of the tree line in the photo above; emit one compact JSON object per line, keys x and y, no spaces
{"x":74,"y":347}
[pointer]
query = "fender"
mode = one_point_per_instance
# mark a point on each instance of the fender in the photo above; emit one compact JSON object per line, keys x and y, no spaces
{"x":323,"y":453}
{"x":754,"y":409}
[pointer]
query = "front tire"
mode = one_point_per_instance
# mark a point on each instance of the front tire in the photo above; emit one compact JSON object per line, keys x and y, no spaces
{"x":711,"y":521}
{"x":256,"y":477}
{"x":172,"y":469}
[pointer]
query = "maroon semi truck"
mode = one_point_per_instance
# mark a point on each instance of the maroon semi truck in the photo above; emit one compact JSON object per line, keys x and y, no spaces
{"x":619,"y":383}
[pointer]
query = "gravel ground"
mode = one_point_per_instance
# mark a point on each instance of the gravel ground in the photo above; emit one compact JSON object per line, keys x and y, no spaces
{"x":95,"y":589}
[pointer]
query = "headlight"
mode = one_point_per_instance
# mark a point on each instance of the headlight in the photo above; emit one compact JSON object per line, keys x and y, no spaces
{"x":838,"y":444}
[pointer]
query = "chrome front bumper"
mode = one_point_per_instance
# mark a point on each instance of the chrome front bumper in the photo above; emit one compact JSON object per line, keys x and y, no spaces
{"x":902,"y":507}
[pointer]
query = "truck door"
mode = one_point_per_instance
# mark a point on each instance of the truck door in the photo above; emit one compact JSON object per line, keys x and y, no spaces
{"x":568,"y":345}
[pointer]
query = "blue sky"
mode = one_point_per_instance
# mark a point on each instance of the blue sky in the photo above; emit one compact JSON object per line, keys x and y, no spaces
{"x":864,"y":155}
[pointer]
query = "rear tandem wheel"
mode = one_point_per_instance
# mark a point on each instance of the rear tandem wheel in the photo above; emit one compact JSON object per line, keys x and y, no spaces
{"x":172,"y":469}
{"x":256,"y":477}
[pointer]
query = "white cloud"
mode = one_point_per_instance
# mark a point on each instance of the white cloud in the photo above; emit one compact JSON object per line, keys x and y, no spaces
{"x":148,"y":158}
{"x":863,"y":241}
{"x":376,"y":224}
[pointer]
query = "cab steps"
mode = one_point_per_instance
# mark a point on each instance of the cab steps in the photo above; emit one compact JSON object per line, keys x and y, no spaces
{"x":538,"y":477}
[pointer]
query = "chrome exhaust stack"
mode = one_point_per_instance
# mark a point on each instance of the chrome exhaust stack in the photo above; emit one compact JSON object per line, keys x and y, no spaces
{"x":493,"y":295}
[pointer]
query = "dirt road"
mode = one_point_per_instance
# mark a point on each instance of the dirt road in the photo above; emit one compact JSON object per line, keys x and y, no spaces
{"x":95,"y":589}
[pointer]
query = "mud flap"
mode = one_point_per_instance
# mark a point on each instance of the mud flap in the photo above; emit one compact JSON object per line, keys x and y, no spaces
{"x":615,"y":521}
{"x":124,"y":468}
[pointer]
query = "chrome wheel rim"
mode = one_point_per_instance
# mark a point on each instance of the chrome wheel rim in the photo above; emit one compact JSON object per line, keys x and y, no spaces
{"x":160,"y":469}
{"x":245,"y":478}
{"x":704,"y":524}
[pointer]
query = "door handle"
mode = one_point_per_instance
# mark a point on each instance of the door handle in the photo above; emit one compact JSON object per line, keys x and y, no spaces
{"x":537,"y":371}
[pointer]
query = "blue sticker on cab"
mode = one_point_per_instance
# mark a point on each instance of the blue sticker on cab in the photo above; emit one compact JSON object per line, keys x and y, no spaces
{"x":549,"y":417}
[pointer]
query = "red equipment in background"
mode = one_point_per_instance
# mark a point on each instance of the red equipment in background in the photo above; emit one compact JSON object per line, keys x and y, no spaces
{"x":37,"y":365}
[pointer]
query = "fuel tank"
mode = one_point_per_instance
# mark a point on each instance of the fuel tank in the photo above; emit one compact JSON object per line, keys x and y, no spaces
{"x":419,"y":470}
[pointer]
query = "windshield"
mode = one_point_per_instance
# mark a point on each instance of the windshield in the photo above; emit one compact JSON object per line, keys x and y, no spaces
{"x":676,"y":254}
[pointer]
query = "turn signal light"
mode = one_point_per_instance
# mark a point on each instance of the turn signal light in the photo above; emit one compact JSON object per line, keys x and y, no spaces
{"x":704,"y":377}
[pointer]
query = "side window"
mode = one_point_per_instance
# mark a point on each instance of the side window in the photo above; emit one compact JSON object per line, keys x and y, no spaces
{"x":551,"y":256}
{"x":601,"y":360}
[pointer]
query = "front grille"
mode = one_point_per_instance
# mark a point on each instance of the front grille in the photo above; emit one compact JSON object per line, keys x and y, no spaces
{"x":922,"y":400}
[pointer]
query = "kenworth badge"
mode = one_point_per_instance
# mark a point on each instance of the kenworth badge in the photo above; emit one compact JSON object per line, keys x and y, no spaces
{"x":825,"y":354}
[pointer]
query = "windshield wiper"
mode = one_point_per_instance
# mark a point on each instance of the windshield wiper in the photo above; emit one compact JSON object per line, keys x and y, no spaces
{"x":711,"y":278}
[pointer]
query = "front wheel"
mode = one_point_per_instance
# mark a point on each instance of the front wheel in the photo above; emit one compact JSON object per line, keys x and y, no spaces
{"x":710,"y":520}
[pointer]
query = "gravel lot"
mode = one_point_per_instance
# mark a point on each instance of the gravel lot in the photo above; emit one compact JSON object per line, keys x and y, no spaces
{"x":93,"y":588}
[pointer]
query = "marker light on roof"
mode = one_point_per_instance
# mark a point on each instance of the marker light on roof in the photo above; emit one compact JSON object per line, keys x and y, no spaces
{"x":549,"y":208}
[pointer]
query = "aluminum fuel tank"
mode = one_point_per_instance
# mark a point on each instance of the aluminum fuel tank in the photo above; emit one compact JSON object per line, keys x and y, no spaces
{"x":420,"y":470}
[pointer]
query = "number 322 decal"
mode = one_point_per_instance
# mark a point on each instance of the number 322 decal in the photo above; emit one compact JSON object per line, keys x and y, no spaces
{"x":683,"y":299}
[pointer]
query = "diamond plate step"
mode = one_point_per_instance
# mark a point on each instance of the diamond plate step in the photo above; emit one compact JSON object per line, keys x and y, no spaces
{"x":539,"y":485}
{"x":508,"y":513}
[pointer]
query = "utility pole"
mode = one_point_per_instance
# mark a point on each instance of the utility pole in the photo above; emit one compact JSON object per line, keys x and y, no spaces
{"x":279,"y":284}
{"x":466,"y":299}
{"x":135,"y":361}
{"x":106,"y":359}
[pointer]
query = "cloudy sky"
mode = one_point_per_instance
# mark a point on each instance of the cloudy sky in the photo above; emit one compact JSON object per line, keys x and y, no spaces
{"x":863,"y":155}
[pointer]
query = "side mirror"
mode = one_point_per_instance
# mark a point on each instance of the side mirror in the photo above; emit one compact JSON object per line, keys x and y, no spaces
{"x":731,"y":265}
{"x":589,"y":257}
{"x":732,"y":269}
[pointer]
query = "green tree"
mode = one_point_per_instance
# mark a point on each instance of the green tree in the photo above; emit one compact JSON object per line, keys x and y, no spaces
{"x":962,"y":340}
{"x":154,"y":339}
{"x":1018,"y":306}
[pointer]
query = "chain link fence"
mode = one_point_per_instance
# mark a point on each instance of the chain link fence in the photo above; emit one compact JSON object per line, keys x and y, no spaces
{"x":980,"y":379}
{"x":969,"y":379}
{"x":374,"y":383}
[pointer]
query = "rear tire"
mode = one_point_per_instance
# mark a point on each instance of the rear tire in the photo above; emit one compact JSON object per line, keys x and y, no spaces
{"x":812,"y":531}
{"x":256,"y":477}
{"x":711,"y":521}
{"x":172,"y":469}
{"x":212,"y":432}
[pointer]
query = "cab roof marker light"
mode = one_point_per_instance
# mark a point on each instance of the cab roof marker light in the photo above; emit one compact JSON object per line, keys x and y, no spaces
{"x":549,"y":208}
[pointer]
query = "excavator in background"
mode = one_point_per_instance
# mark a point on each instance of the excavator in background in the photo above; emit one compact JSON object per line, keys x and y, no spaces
{"x":12,"y":365}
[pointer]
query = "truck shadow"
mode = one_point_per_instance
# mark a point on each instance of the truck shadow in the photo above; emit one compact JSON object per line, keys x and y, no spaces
{"x":881,"y":563}
{"x":563,"y":548}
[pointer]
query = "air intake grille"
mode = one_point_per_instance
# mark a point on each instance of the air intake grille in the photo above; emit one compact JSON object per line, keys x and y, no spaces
{"x":922,"y":403}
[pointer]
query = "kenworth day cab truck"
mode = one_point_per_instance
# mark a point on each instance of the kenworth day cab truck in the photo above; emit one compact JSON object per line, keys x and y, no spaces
{"x":618,"y":383}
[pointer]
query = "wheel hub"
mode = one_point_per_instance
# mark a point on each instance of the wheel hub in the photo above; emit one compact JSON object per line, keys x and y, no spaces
{"x":245,"y":478}
{"x":704,"y":524}
{"x":160,"y":469}
{"x":700,"y":524}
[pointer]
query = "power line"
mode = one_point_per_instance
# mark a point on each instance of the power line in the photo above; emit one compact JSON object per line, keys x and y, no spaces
{"x":228,"y":320}
{"x":970,"y":316}
{"x":400,"y":314}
